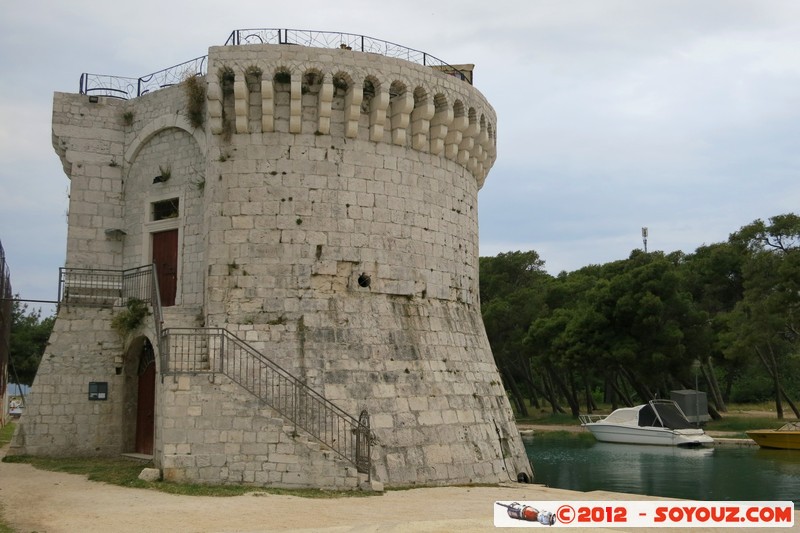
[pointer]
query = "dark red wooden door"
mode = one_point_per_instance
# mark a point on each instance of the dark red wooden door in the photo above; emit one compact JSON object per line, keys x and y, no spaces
{"x":145,"y":409}
{"x":165,"y":257}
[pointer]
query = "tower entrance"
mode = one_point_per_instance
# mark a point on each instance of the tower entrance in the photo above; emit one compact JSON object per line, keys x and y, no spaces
{"x":145,"y":400}
{"x":165,"y":257}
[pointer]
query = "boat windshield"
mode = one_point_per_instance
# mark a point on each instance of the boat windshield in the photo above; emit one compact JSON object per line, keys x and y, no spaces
{"x":669,"y":416}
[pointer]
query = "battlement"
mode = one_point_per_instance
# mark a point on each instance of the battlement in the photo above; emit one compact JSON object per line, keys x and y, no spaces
{"x":269,"y":88}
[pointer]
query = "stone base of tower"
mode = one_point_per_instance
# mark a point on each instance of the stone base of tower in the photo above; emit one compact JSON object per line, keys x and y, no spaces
{"x":214,"y":432}
{"x":423,"y":370}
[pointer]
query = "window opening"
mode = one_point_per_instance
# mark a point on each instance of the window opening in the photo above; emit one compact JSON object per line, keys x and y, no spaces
{"x":166,"y":209}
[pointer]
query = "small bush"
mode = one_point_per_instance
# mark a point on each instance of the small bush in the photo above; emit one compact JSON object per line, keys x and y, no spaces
{"x":130,"y":318}
{"x":282,"y":76}
{"x":196,"y":100}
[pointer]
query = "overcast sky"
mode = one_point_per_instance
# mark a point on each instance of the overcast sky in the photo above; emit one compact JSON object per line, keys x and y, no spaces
{"x":681,"y":116}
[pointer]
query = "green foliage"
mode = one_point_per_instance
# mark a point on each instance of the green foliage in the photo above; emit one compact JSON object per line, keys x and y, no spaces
{"x":282,"y":76}
{"x":29,"y":335}
{"x":130,"y":318}
{"x":127,"y":117}
{"x":634,"y":329}
{"x":742,"y":423}
{"x":6,"y":432}
{"x":195,"y":89}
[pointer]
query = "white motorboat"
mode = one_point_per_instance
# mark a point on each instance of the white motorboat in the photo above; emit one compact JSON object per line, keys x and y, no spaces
{"x":659,"y":422}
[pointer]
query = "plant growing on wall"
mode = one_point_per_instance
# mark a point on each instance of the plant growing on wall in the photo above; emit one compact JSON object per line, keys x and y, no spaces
{"x":252,"y":77}
{"x":340,"y":83}
{"x":127,"y":118}
{"x":196,"y":100}
{"x":165,"y":172}
{"x":130,"y":318}
{"x":282,"y":76}
{"x":226,"y":78}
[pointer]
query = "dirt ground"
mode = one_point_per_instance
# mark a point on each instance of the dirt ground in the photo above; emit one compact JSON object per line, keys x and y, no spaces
{"x":49,"y":502}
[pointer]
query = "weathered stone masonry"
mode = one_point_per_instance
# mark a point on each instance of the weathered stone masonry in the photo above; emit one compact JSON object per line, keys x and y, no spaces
{"x":327,"y":216}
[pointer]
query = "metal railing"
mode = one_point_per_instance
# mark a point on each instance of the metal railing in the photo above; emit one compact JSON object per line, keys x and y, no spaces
{"x":126,"y":88}
{"x":108,"y":288}
{"x":347,"y":41}
{"x":192,"y":350}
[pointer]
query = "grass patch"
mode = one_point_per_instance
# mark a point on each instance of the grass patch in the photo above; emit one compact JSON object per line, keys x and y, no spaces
{"x":125,"y":473}
{"x":549,"y":419}
{"x":743,"y":423}
{"x":6,"y":432}
{"x":4,"y":527}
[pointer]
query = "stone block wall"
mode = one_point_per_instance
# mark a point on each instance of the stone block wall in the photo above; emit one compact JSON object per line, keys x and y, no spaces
{"x":212,"y":431}
{"x":60,"y":419}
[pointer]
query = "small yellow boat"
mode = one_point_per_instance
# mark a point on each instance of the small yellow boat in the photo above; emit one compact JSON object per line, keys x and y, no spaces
{"x":786,"y":437}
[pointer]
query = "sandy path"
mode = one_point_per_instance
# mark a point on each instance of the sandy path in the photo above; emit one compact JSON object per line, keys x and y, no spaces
{"x":50,"y":502}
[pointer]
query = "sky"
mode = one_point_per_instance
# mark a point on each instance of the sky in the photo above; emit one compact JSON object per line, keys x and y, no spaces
{"x":613,"y":115}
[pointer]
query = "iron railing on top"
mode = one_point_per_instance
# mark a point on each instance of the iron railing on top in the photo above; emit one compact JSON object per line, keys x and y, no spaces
{"x":347,"y":41}
{"x":126,"y":88}
{"x":192,"y":350}
{"x":107,"y":288}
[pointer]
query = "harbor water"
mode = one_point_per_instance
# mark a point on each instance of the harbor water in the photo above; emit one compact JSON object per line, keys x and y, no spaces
{"x":749,"y":473}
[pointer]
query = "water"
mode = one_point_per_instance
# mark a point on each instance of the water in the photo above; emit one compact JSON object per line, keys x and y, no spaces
{"x":719,"y":474}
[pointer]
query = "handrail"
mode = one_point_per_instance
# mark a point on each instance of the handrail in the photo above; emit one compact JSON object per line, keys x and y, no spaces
{"x":126,"y":88}
{"x":108,"y":287}
{"x":196,"y":350}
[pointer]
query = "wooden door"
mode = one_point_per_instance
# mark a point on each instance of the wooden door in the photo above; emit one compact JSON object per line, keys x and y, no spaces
{"x":145,"y":407}
{"x":165,"y":257}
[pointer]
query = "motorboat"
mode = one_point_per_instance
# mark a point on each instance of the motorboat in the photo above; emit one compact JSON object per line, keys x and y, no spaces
{"x":786,"y":437}
{"x":658,"y":422}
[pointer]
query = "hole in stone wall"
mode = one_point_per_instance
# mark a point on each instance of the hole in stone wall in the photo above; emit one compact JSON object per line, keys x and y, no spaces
{"x":364,"y":280}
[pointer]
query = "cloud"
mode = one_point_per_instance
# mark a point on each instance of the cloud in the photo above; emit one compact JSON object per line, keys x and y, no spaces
{"x":678,"y":115}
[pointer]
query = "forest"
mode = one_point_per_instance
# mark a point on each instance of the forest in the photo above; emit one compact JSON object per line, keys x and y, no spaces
{"x":726,"y":317}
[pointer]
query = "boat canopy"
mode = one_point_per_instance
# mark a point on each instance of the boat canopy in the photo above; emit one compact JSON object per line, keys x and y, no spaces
{"x":657,"y":413}
{"x":663,"y":413}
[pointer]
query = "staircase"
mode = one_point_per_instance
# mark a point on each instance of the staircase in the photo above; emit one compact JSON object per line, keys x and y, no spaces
{"x":217,"y":350}
{"x":192,"y":349}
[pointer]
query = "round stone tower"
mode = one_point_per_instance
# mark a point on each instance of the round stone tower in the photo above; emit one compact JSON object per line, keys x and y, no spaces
{"x":314,"y":206}
{"x":341,"y":205}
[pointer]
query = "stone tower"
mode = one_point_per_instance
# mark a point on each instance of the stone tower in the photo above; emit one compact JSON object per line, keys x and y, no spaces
{"x":311,"y":203}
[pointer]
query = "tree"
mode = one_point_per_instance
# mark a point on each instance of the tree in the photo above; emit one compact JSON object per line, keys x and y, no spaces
{"x":512,"y":288}
{"x":766,"y":322}
{"x":29,"y":335}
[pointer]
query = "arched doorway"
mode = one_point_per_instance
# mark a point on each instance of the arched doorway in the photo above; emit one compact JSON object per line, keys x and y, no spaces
{"x":145,"y":400}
